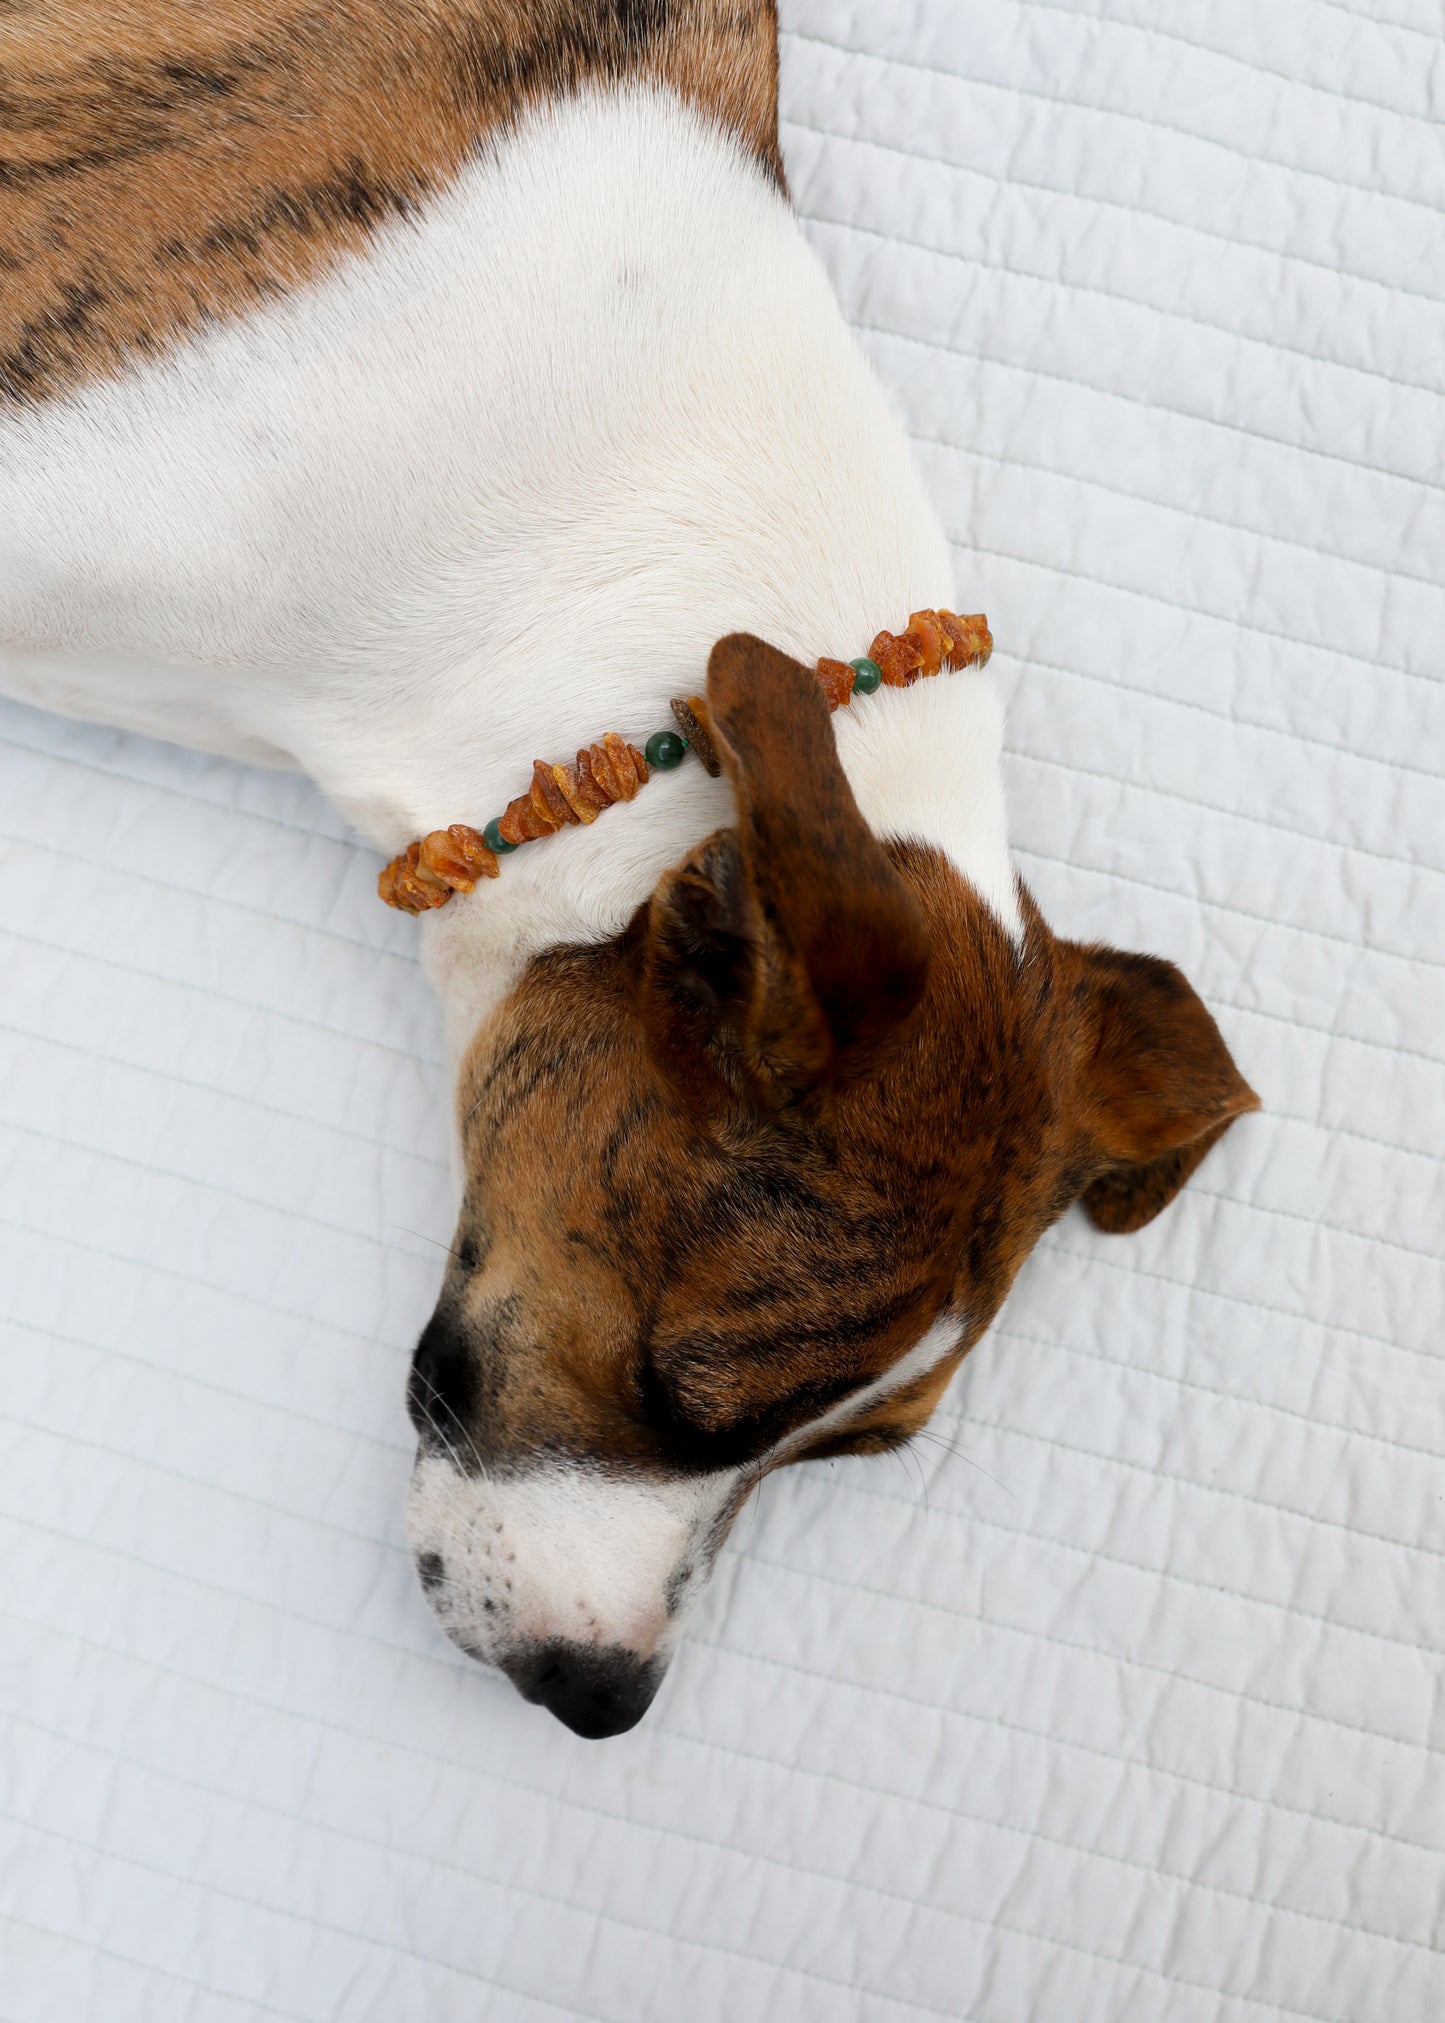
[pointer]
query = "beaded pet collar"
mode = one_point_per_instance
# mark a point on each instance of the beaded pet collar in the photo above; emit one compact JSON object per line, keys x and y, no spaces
{"x":428,"y":872}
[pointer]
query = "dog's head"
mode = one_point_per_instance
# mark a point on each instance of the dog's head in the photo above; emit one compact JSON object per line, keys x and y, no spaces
{"x":743,"y":1186}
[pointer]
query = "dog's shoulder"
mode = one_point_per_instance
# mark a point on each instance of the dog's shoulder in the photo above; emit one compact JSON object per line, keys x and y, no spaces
{"x":165,"y":165}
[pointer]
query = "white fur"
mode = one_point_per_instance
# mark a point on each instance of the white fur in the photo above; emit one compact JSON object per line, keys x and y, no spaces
{"x":564,"y":1554}
{"x":478,"y":498}
{"x":489,"y":492}
{"x":578,"y":1555}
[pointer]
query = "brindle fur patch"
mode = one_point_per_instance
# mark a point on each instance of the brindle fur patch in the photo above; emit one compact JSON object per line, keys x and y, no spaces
{"x":163,"y":164}
{"x":726,"y":1169}
{"x":690,"y":1297}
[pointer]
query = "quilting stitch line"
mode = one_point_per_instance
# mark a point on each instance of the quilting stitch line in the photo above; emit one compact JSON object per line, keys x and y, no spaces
{"x":1390,"y":112}
{"x":1192,"y":1290}
{"x":457,"y":1665}
{"x":172,"y":1374}
{"x":1147,"y":309}
{"x":993,"y":1720}
{"x":646,"y":1826}
{"x":204,"y":1184}
{"x":668,"y":1727}
{"x":1175,"y":794}
{"x":968,"y":1422}
{"x":1135,"y":400}
{"x":1252,"y":1402}
{"x":89,"y":1945}
{"x":247,"y":1102}
{"x":1379,"y":20}
{"x":1107,"y":112}
{"x":961,"y":1422}
{"x":948,"y":1913}
{"x":1352,"y":942}
{"x":1285,"y":731}
{"x":1257,"y":1207}
{"x":1094,"y":1554}
{"x":171,"y":791}
{"x":1178,"y":608}
{"x":556,"y":1901}
{"x":202,"y":896}
{"x":255,"y":1006}
{"x":66,"y":1240}
{"x":1012,"y":180}
{"x":312,"y":1923}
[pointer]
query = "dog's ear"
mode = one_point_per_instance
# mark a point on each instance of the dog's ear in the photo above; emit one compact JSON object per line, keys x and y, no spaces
{"x":1156,"y":1086}
{"x":785,"y":954}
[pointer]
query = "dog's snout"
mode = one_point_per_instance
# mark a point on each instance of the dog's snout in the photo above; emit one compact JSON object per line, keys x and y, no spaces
{"x":594,"y":1692}
{"x":441,"y":1390}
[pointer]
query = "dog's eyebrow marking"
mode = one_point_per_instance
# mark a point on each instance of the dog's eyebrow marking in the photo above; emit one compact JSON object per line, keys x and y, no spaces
{"x":703,"y":1343}
{"x":524,"y":1065}
{"x":673,"y":1385}
{"x":639,"y":1110}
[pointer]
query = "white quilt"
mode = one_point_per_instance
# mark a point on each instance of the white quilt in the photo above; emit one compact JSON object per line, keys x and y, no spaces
{"x":1121,"y":1700}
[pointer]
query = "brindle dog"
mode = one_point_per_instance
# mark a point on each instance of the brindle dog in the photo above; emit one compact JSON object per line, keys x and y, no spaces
{"x":406,"y":389}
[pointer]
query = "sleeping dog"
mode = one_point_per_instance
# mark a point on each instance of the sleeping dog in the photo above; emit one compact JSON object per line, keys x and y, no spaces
{"x":405,"y":392}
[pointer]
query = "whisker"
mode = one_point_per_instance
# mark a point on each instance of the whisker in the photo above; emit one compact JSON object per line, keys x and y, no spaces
{"x":400,"y":1229}
{"x":962,"y":1454}
{"x":753,"y":1495}
{"x":905,"y":1454}
{"x":441,"y":1434}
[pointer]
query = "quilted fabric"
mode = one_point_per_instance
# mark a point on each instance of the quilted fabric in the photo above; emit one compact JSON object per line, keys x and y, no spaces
{"x":1119,"y":1699}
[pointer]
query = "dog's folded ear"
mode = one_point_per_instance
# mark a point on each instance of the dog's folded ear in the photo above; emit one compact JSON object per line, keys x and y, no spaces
{"x":1156,"y":1085}
{"x":786,"y":954}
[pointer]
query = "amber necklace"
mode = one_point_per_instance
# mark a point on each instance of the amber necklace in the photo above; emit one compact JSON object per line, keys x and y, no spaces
{"x":429,"y":871}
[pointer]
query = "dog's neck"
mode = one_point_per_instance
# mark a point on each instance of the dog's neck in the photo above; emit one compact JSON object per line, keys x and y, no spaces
{"x":922,"y":762}
{"x":727,"y":460}
{"x":497,"y":489}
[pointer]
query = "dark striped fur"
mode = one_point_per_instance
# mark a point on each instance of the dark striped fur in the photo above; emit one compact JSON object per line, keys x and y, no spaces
{"x":165,"y":163}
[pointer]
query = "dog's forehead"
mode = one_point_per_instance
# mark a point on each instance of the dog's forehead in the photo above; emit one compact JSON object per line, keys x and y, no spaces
{"x":565,"y":1114}
{"x":572,"y":1136}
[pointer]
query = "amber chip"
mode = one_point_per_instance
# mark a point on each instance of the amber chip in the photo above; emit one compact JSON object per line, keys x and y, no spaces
{"x":900,"y":659}
{"x":836,"y":678}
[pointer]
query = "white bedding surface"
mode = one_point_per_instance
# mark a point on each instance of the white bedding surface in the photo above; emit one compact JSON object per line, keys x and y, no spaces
{"x":1121,"y":1701}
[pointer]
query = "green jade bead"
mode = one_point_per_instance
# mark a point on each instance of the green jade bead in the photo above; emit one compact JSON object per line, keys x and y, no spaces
{"x":494,"y":839}
{"x":867,"y":676}
{"x":664,"y":750}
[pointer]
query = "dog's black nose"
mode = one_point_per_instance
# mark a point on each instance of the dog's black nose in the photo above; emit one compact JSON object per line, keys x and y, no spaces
{"x":593,"y":1692}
